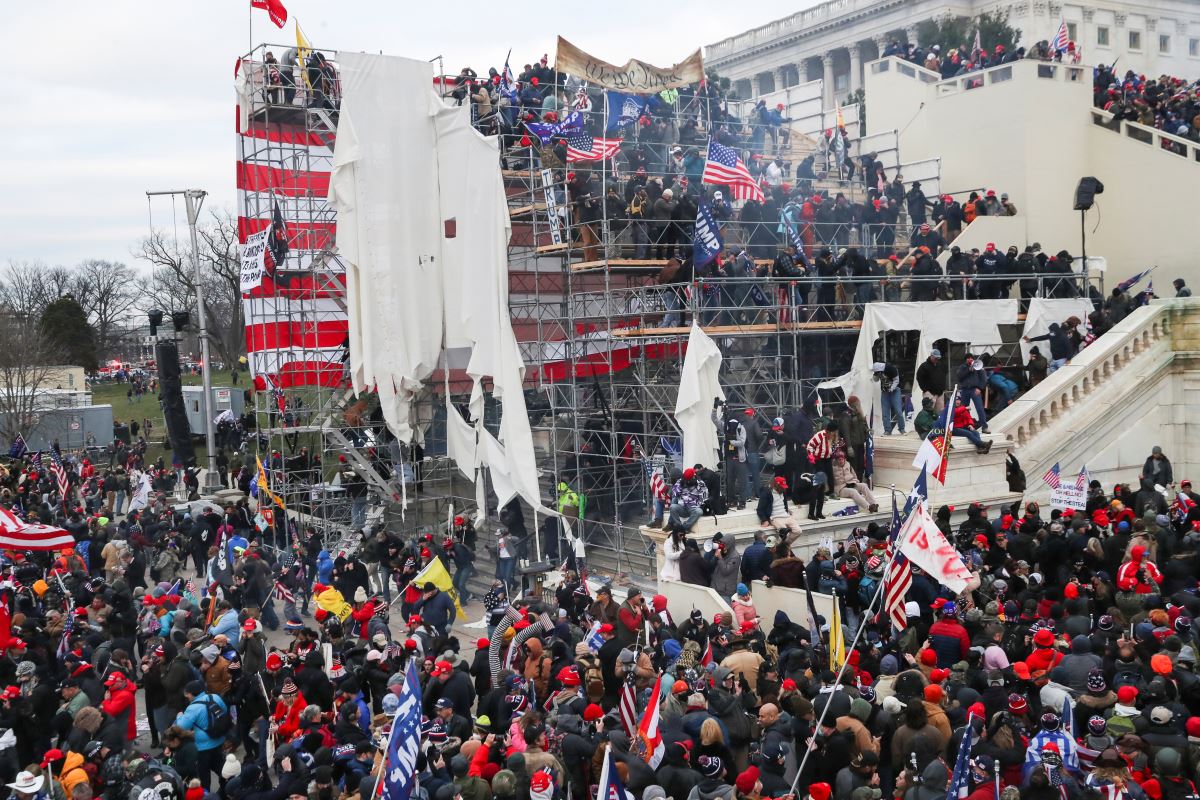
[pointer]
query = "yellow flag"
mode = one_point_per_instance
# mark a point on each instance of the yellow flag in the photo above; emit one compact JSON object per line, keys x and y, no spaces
{"x":435,"y":573}
{"x":837,"y":644}
{"x":302,"y":49}
{"x":264,"y":489}
{"x":841,"y":122}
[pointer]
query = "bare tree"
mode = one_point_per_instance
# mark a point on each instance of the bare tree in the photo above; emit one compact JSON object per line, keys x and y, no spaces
{"x":172,"y":284}
{"x":27,"y":361}
{"x":24,"y":290}
{"x":107,"y":290}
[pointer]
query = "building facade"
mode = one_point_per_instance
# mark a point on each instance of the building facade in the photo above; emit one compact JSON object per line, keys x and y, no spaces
{"x":832,"y":40}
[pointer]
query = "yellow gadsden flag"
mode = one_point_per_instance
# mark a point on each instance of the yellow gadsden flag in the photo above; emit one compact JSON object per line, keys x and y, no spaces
{"x":302,"y":49}
{"x":837,"y":643}
{"x":435,"y":573}
{"x":264,"y":488}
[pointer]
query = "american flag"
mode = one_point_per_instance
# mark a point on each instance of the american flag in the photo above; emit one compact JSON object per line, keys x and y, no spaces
{"x":899,"y":577}
{"x":36,"y":460}
{"x":627,"y":705}
{"x":1061,"y":39}
{"x":1134,"y":280}
{"x":582,"y":147}
{"x":60,"y":474}
{"x":1081,"y":480}
{"x":960,"y":785}
{"x":724,"y":168}
{"x":283,"y":593}
{"x":64,"y":645}
{"x":1053,"y":477}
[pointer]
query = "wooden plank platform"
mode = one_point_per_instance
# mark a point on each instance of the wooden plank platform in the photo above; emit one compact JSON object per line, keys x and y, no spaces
{"x":727,"y":330}
{"x":621,"y":264}
{"x":520,"y":210}
{"x":553,"y":248}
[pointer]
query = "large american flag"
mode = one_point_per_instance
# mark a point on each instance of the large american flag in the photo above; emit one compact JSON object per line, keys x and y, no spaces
{"x":64,"y":644}
{"x":899,"y":577}
{"x":1061,"y":39}
{"x":724,"y":168}
{"x":1053,"y":477}
{"x":582,"y":146}
{"x":960,"y":783}
{"x":1081,"y":480}
{"x":627,"y":705}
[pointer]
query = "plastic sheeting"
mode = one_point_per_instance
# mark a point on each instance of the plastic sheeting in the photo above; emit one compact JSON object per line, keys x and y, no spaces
{"x":973,"y":322}
{"x":403,"y":174}
{"x":384,"y":187}
{"x":699,"y":386}
{"x":1042,"y":312}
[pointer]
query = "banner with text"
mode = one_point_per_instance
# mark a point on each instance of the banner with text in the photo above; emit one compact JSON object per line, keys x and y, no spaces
{"x":1068,"y":496}
{"x":634,"y":77}
{"x":254,"y":265}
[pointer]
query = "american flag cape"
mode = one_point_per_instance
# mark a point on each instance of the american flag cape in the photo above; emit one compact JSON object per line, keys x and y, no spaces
{"x":1053,"y":476}
{"x":583,"y":146}
{"x":960,"y":783}
{"x":627,"y":706}
{"x":724,"y":168}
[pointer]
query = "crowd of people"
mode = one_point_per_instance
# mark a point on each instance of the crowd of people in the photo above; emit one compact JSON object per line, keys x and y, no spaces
{"x":1068,"y":666}
{"x":1168,"y":103}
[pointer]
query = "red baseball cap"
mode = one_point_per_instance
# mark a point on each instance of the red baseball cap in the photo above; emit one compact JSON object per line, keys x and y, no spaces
{"x":442,"y":668}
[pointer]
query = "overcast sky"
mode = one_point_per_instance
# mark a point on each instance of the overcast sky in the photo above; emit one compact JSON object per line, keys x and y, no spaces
{"x":111,"y":99}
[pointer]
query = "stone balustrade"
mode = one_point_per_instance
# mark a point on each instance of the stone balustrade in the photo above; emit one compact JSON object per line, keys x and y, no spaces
{"x":1144,"y":332}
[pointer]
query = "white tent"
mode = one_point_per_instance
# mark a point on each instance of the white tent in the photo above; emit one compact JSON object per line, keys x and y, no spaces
{"x":1044,"y":311}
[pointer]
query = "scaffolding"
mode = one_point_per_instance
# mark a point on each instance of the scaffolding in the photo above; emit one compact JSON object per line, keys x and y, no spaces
{"x":602,"y":328}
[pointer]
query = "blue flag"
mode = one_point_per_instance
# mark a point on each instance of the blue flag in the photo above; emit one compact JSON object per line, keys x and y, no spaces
{"x":1068,"y":717}
{"x":546,"y":131}
{"x":1133,"y":280}
{"x":624,"y":109}
{"x":404,"y":742}
{"x":609,"y":787}
{"x":19,"y":448}
{"x":706,"y":243}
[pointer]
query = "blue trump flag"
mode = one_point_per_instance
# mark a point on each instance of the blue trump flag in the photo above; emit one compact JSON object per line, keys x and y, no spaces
{"x":624,"y":109}
{"x":404,"y":742}
{"x":546,"y":131}
{"x":706,"y":243}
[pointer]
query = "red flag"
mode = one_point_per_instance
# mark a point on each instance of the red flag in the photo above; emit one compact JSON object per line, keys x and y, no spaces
{"x":274,"y":8}
{"x":5,"y":624}
{"x":650,"y":740}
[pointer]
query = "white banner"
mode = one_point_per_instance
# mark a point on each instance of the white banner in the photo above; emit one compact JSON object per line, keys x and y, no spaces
{"x":254,"y":262}
{"x":927,"y":547}
{"x":1068,"y":496}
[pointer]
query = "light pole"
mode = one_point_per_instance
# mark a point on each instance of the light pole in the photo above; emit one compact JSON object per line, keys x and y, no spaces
{"x":193,"y":199}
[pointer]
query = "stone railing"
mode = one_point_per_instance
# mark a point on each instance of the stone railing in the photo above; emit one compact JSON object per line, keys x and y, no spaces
{"x":1168,"y":143}
{"x":800,"y":21}
{"x":1146,"y":331}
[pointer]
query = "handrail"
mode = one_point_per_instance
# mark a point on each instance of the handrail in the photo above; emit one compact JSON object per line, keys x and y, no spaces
{"x":1104,"y":119}
{"x":1100,"y":362}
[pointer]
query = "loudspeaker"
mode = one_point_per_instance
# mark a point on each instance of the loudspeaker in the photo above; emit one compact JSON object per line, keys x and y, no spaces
{"x":166,"y":353}
{"x":1086,"y":191}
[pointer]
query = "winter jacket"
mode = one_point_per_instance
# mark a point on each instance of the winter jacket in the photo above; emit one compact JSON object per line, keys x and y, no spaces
{"x":727,"y":571}
{"x":949,"y":640}
{"x":195,"y":718}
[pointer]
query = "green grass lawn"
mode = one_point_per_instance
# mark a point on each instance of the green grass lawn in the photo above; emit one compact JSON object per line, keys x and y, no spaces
{"x":143,"y":409}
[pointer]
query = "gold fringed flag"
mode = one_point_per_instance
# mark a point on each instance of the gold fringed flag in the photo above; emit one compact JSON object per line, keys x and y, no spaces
{"x":435,"y":573}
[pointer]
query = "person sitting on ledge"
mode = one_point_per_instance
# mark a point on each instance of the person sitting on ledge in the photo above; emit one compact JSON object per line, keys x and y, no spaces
{"x":964,"y":426}
{"x":846,"y":484}
{"x":687,"y":501}
{"x":774,"y":509}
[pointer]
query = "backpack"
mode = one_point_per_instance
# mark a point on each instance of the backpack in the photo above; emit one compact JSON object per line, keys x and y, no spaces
{"x":219,"y":721}
{"x":731,"y":434}
{"x":593,"y":679}
{"x":866,"y":590}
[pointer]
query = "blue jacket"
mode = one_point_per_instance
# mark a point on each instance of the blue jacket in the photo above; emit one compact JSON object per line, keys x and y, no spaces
{"x":324,"y":567}
{"x":438,"y":611}
{"x":228,"y":624}
{"x":756,"y":561}
{"x":364,"y":713}
{"x":195,"y":718}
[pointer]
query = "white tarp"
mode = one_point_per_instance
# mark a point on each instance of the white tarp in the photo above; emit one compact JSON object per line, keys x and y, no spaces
{"x":1042,"y":312}
{"x":384,"y":187}
{"x":699,"y":386}
{"x":460,"y":442}
{"x":972,"y":322}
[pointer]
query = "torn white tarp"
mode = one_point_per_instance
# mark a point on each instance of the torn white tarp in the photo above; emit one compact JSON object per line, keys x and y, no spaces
{"x":1043,"y":311}
{"x":972,"y":322}
{"x":384,"y":187}
{"x":699,"y":387}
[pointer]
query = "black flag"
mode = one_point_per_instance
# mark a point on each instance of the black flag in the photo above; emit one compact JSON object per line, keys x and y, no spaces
{"x":277,"y":244}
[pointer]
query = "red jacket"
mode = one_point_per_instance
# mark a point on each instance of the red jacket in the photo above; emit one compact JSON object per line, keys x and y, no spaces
{"x":963,"y":418}
{"x":1043,"y":659}
{"x":363,"y":617}
{"x":1127,"y":573}
{"x":118,"y":702}
{"x":632,"y":620}
{"x":287,"y":718}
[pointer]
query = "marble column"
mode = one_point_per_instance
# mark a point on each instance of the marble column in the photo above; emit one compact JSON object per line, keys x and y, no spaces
{"x":756,"y":84}
{"x":781,"y":74}
{"x":827,"y":79}
{"x":855,"y":67}
{"x":910,"y":33}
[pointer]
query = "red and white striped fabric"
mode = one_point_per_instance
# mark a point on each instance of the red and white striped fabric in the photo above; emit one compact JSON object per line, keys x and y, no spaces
{"x":658,"y":487}
{"x":627,"y":706}
{"x":899,"y":581}
{"x":295,"y":327}
{"x":18,"y":535}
